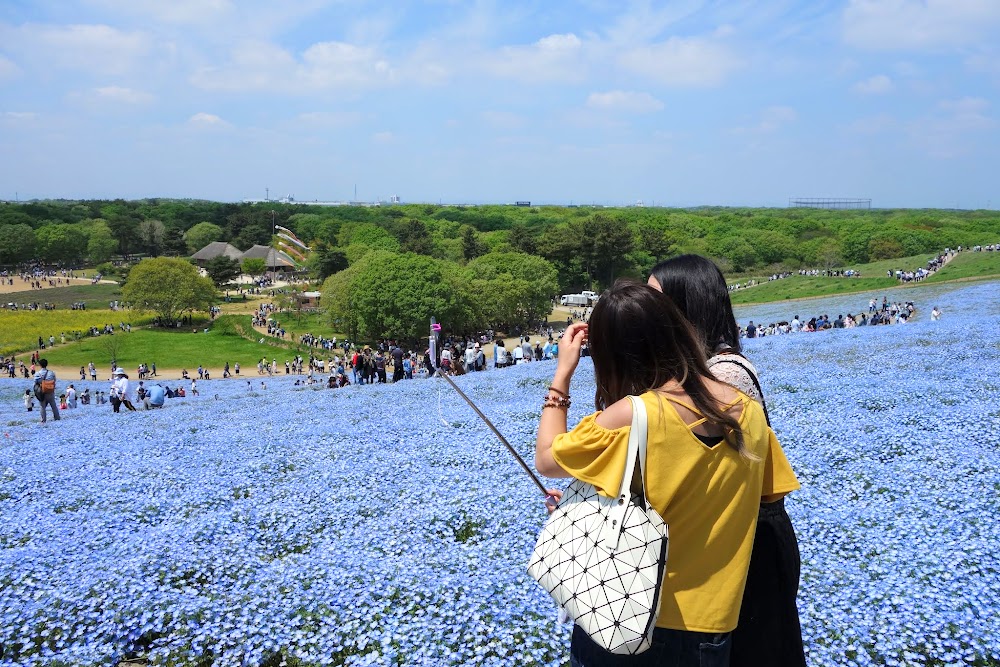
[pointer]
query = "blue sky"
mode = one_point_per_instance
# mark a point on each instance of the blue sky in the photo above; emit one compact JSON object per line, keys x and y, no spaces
{"x":674,"y":103}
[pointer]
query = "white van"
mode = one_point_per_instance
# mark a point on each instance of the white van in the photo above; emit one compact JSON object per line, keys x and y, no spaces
{"x":574,"y":300}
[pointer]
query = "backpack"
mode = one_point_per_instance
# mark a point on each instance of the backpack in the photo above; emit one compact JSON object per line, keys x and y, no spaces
{"x":45,"y":385}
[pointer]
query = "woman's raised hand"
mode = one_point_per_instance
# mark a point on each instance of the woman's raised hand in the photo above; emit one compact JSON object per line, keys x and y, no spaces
{"x":569,"y":347}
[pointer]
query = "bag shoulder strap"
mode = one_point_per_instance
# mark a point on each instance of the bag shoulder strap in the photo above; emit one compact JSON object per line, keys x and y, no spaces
{"x":636,"y":448}
{"x":614,"y":525}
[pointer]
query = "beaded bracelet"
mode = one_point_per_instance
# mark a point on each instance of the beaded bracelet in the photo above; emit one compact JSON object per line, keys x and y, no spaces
{"x":560,"y":392}
{"x":555,"y":405}
{"x":558,"y":402}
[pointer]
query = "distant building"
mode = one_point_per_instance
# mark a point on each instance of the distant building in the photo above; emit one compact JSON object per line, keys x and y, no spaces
{"x":308,"y":300}
{"x":274,"y":260}
{"x":213,"y":250}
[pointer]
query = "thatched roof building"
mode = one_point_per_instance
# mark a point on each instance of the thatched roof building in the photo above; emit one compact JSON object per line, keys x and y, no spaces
{"x":213,"y":250}
{"x":273,"y":259}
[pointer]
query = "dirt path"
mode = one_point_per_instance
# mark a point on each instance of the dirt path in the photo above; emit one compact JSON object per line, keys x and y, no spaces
{"x":25,"y":286}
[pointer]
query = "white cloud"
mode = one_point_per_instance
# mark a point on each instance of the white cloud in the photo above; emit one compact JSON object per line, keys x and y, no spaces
{"x":774,"y":117}
{"x":173,"y":11}
{"x":19,"y":116}
{"x":951,"y":130}
{"x":8,"y":70}
{"x":206,"y":120}
{"x":326,"y":65}
{"x":333,"y":64}
{"x":556,"y":58}
{"x":771,"y":120}
{"x":968,"y":113}
{"x":919,"y":25}
{"x":875,"y":85}
{"x":96,"y":49}
{"x":693,"y":61}
{"x":504,"y":120}
{"x":621,"y":100}
{"x":872,"y":125}
{"x":123,"y":95}
{"x":986,"y":62}
{"x":329,"y":118}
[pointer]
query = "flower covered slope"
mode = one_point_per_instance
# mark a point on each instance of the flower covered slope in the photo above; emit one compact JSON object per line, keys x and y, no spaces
{"x":386,"y":526}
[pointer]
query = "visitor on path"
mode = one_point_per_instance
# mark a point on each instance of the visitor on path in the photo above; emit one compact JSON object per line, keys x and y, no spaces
{"x":711,"y":460}
{"x":45,"y":389}
{"x":769,"y":631}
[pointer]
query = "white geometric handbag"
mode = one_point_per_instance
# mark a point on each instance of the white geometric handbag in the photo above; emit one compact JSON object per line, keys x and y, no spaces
{"x":603,"y":559}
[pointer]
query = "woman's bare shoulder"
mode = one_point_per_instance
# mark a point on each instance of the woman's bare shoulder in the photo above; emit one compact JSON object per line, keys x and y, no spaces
{"x":617,"y":415}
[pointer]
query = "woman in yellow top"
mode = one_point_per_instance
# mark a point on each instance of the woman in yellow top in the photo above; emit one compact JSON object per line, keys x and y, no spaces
{"x":711,"y":458}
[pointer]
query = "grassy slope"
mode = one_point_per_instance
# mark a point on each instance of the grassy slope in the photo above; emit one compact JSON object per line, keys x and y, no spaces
{"x":172,"y":349}
{"x":965,"y":266}
{"x":20,"y":330}
{"x":969,"y":265}
{"x":95,"y":296}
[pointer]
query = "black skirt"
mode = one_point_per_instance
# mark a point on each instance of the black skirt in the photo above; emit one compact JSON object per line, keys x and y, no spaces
{"x":769,"y":633}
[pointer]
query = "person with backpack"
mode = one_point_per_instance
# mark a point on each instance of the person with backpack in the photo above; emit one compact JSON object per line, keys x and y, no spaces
{"x":45,"y":389}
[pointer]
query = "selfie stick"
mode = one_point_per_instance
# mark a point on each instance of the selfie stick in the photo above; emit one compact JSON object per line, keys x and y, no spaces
{"x":493,"y":428}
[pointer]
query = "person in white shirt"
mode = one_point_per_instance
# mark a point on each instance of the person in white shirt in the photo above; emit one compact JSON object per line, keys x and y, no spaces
{"x":121,"y":391}
{"x":518,"y":354}
{"x":501,"y":353}
{"x":935,"y":314}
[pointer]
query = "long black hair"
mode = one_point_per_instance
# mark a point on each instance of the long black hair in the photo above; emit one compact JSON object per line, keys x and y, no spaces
{"x":640,"y":341}
{"x":697,"y":287}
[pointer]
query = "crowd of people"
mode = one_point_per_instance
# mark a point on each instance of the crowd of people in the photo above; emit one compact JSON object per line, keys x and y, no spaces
{"x":121,"y":392}
{"x":37,"y":277}
{"x":902,"y":275}
{"x":888,"y":312}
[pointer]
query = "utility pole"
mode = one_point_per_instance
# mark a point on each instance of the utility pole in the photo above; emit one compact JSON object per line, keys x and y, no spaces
{"x":272,"y":222}
{"x":267,"y":194}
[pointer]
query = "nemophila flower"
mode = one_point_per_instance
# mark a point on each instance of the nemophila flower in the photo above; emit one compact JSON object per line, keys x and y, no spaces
{"x":385,"y":525}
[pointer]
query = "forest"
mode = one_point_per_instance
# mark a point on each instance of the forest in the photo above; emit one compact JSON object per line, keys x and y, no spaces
{"x":386,"y":269}
{"x":587,"y":246}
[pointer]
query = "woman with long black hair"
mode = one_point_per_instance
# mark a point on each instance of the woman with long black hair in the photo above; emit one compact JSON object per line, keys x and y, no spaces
{"x":711,"y":458}
{"x":768,"y":632}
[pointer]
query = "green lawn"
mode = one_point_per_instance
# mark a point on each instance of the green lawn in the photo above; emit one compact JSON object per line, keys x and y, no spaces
{"x":20,"y":330}
{"x":964,"y":266}
{"x":969,"y":265}
{"x":310,"y":322}
{"x":179,"y":348}
{"x":799,"y":287}
{"x":95,"y":296}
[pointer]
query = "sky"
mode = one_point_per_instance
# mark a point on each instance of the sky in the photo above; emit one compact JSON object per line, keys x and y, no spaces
{"x":673,"y":103}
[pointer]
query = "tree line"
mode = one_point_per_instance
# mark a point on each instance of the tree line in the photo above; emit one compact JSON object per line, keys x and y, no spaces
{"x":489,"y":266}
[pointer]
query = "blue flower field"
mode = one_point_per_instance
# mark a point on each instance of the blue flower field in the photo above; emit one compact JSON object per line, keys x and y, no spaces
{"x":386,"y":525}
